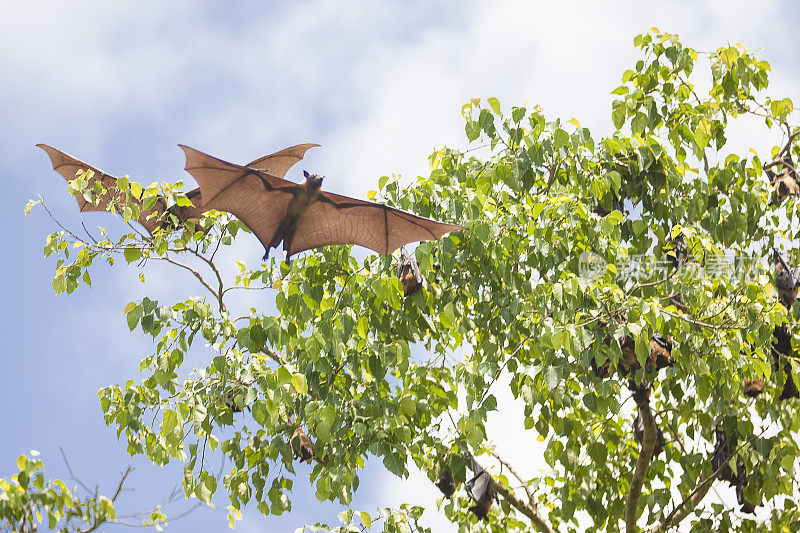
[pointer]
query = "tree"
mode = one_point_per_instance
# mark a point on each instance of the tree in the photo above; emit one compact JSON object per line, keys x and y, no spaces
{"x":589,"y":267}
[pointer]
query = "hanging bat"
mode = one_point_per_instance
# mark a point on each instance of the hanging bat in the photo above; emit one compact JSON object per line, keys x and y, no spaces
{"x":660,"y":352}
{"x":479,"y":488}
{"x":302,"y":446}
{"x":638,"y":435}
{"x":446,"y":483}
{"x":600,"y":371}
{"x":723,"y":450}
{"x":786,"y":280}
{"x":278,"y":164}
{"x":230,"y":401}
{"x":789,"y":387}
{"x":741,"y":483}
{"x":784,"y":182}
{"x":640,"y":391}
{"x":616,"y":204}
{"x":300,"y":215}
{"x":753,"y":387}
{"x":782,"y":349}
{"x":660,"y":355}
{"x":677,"y":251}
{"x":408,"y":273}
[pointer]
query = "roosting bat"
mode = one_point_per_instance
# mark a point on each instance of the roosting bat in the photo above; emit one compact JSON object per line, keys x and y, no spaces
{"x":153,"y":219}
{"x":789,"y":387}
{"x":408,"y":273}
{"x":741,"y":483}
{"x":479,"y":488}
{"x":616,"y":204}
{"x":782,"y":347}
{"x":600,"y":371}
{"x":446,"y":483}
{"x":638,"y":435}
{"x":660,"y":354}
{"x":678,"y":251}
{"x":302,"y":446}
{"x":786,"y":280}
{"x":753,"y":387}
{"x":640,"y":391}
{"x":723,"y":450}
{"x":785,"y":182}
{"x":302,"y":216}
{"x":661,"y":351}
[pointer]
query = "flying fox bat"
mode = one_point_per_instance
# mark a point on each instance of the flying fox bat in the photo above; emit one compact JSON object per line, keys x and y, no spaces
{"x":741,"y":478}
{"x":638,"y":435}
{"x":446,"y":483}
{"x":782,"y":348}
{"x":479,"y":488}
{"x":786,"y":280}
{"x":301,"y":215}
{"x":785,"y":182}
{"x":753,"y":387}
{"x":408,"y":273}
{"x":153,"y":219}
{"x":723,"y":450}
{"x":302,"y":446}
{"x":660,"y":354}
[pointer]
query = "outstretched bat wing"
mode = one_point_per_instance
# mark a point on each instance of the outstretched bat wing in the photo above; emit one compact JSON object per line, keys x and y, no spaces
{"x":280,"y":162}
{"x":68,"y":167}
{"x":336,"y":219}
{"x":259,"y":199}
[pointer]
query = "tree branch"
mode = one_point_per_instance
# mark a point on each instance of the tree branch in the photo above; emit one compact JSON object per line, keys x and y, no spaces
{"x":690,"y":503}
{"x":699,"y":322}
{"x":531,"y":511}
{"x":642,"y":464}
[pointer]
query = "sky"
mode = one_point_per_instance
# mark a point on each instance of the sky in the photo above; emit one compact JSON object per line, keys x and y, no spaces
{"x":379,"y":85}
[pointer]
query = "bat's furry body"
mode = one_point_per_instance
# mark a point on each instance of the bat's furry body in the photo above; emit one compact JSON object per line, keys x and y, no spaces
{"x":302,"y":446}
{"x":408,"y":273}
{"x":479,"y":488}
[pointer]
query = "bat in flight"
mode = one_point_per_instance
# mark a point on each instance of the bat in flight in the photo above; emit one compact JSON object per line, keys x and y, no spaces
{"x":278,"y":164}
{"x":301,"y":215}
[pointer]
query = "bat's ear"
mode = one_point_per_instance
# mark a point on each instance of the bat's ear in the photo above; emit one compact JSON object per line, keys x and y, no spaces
{"x":305,"y":174}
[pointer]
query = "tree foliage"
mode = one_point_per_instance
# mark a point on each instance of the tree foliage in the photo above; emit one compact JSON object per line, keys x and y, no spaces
{"x":411,"y":381}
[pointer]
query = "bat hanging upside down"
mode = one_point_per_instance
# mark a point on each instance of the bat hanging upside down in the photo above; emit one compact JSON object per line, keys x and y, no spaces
{"x":408,"y":273}
{"x":300,"y":215}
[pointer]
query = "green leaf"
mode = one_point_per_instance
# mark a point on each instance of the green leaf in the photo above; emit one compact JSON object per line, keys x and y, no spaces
{"x":494,"y":103}
{"x":132,"y":254}
{"x":366,"y":518}
{"x":59,"y":284}
{"x":300,"y":384}
{"x":618,"y":113}
{"x":560,"y":138}
{"x":169,"y":423}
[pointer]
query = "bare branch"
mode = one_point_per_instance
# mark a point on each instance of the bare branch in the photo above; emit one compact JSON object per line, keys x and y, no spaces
{"x":642,"y":464}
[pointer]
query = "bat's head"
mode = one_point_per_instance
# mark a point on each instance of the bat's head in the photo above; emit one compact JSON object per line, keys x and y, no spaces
{"x":315,"y":180}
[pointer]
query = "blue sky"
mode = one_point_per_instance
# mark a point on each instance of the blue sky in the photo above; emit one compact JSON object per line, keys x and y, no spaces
{"x":378,"y":85}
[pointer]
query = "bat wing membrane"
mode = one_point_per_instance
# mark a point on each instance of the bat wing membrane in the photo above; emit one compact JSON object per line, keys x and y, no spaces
{"x":280,"y":162}
{"x":336,"y":219}
{"x":68,"y":166}
{"x":256,"y":197}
